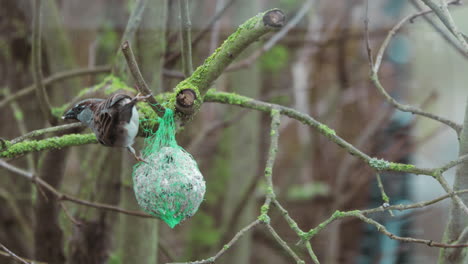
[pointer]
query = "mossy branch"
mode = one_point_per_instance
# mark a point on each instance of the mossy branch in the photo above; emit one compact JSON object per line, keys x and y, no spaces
{"x":200,"y":81}
{"x":25,"y":147}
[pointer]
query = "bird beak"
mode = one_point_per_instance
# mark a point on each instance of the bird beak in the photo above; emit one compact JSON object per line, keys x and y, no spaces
{"x":70,"y":114}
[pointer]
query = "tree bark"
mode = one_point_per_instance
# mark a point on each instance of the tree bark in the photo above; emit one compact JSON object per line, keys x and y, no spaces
{"x":458,"y":221}
{"x":48,"y":236}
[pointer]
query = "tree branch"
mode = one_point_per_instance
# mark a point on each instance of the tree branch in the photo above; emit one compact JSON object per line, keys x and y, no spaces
{"x":57,"y":77}
{"x":376,"y":81}
{"x":284,"y":244}
{"x":225,"y":247}
{"x":445,"y":35}
{"x":25,"y":147}
{"x":42,"y":98}
{"x":40,"y":132}
{"x":274,"y":39}
{"x":234,"y":99}
{"x":65,"y":197}
{"x":444,"y":15}
{"x":133,"y":23}
{"x":186,"y":37}
{"x":200,"y":35}
{"x":199,"y":82}
{"x":9,"y":253}
{"x":141,"y":84}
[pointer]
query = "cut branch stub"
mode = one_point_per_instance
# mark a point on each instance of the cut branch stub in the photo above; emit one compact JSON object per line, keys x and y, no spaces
{"x":185,"y":101}
{"x":274,"y":18}
{"x":190,"y":92}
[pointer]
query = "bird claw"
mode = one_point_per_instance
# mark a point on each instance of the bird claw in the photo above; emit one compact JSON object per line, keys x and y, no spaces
{"x":139,"y":97}
{"x":140,"y":159}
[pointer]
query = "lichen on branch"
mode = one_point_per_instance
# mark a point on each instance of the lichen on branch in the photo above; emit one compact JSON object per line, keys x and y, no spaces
{"x":28,"y":146}
{"x":201,"y":79}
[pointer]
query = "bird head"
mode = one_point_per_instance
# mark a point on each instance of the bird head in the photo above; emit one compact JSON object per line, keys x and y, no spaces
{"x":83,"y":111}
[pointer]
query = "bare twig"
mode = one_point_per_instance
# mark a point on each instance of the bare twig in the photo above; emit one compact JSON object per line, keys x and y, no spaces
{"x":141,"y":84}
{"x":47,"y":82}
{"x":414,"y":205}
{"x":427,"y":242}
{"x":166,"y":250}
{"x":13,"y":255}
{"x":233,"y":99}
{"x":445,"y":35}
{"x":69,"y":216}
{"x":284,"y":244}
{"x":225,"y":247}
{"x":366,"y":29}
{"x":42,"y":97}
{"x":207,"y":28}
{"x":65,"y":197}
{"x":453,"y":163}
{"x":186,"y":37}
{"x":274,"y":39}
{"x":375,"y":78}
{"x":134,"y":21}
{"x":444,"y":15}
{"x":312,"y":253}
{"x":456,"y":199}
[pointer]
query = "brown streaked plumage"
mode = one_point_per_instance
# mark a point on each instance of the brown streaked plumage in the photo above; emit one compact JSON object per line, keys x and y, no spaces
{"x":114,"y":120}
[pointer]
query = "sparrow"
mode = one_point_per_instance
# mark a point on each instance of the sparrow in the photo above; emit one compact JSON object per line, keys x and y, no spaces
{"x":114,"y":120}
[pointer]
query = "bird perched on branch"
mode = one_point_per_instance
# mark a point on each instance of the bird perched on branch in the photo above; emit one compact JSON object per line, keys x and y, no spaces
{"x":114,"y":120}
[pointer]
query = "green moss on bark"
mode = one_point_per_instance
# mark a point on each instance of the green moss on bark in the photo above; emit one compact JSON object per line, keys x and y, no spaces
{"x":25,"y":147}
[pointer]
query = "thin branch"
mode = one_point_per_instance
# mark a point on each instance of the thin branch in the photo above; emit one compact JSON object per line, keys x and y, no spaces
{"x":205,"y":30}
{"x":40,"y":132}
{"x":312,"y":253}
{"x":273,"y":149}
{"x":402,"y":207}
{"x":166,"y":250}
{"x":382,"y":190}
{"x":358,"y":214}
{"x":234,"y":99}
{"x":65,"y":197}
{"x":444,"y":15}
{"x":274,"y":39}
{"x":225,"y":247}
{"x":133,"y":23}
{"x":375,"y":78}
{"x":427,"y":242}
{"x":57,"y":77}
{"x":463,"y":238}
{"x":284,"y":244}
{"x":69,"y":216}
{"x":291,"y":222}
{"x":453,"y":163}
{"x":42,"y":97}
{"x":445,"y":35}
{"x":366,"y":29}
{"x":13,"y":255}
{"x":458,"y":201}
{"x":186,"y":37}
{"x":141,"y":84}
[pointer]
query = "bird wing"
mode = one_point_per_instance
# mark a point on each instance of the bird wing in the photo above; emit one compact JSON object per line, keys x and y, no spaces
{"x":116,"y":98}
{"x":110,"y":112}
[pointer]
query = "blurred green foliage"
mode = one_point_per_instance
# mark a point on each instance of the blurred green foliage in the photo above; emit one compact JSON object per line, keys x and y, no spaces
{"x":307,"y":191}
{"x":275,"y":59}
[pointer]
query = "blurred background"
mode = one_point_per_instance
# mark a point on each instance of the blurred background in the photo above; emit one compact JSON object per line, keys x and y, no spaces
{"x":320,"y":67}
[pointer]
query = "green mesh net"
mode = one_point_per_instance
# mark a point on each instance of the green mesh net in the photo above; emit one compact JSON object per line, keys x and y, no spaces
{"x":169,"y":186}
